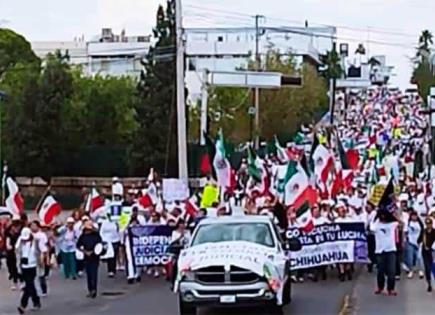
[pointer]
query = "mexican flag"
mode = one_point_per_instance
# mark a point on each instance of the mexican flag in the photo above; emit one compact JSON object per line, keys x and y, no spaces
{"x":254,"y":165}
{"x":297,"y":188}
{"x":190,"y":207}
{"x":209,"y":151}
{"x":323,"y":163}
{"x":49,"y":209}
{"x":304,"y":217}
{"x":221,"y":163}
{"x":314,"y":146}
{"x":281,"y":153}
{"x":13,"y":200}
{"x":94,"y":201}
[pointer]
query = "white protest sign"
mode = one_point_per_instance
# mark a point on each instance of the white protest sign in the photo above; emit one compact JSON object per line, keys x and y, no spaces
{"x":175,"y":189}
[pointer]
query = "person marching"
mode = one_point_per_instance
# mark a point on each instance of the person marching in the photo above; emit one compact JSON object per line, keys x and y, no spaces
{"x":109,"y":232}
{"x":27,"y":257}
{"x":90,"y":243}
{"x":427,"y":239}
{"x":385,"y":228}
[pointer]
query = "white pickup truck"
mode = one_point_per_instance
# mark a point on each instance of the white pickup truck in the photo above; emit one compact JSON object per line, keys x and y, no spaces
{"x":234,"y":261}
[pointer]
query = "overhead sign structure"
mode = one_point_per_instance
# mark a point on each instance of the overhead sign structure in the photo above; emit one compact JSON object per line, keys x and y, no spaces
{"x":244,"y":79}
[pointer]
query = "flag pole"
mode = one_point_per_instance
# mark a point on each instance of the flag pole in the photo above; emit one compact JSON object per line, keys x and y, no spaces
{"x":38,"y":205}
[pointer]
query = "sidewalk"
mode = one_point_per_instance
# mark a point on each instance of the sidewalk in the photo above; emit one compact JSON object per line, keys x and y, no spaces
{"x":412,"y":298}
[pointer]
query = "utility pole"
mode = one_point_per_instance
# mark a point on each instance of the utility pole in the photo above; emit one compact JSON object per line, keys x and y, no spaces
{"x":332,"y":88}
{"x":257,"y":90}
{"x":181,"y":106}
{"x":204,"y":106}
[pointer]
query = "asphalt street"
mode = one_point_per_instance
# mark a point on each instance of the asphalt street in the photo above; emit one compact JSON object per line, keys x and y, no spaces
{"x":153,"y":297}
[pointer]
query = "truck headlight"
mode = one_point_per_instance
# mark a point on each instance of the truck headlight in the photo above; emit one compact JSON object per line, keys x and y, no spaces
{"x":189,"y":275}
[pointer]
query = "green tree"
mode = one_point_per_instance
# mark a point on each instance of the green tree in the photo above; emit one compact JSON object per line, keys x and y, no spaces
{"x":424,"y":42}
{"x":14,"y":49}
{"x":423,"y":75}
{"x":332,"y":65}
{"x":155,"y":142}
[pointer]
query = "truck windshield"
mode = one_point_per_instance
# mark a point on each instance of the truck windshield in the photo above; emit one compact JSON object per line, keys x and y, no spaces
{"x":258,"y":233}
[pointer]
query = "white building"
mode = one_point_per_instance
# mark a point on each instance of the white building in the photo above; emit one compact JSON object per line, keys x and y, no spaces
{"x":227,"y":49}
{"x":106,"y":54}
{"x":76,"y":50}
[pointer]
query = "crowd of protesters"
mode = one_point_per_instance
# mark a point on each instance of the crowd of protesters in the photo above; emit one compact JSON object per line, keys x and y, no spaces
{"x":389,"y":133}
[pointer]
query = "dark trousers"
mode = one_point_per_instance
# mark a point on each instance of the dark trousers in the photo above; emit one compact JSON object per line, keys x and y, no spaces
{"x":111,"y":262}
{"x":386,"y":263}
{"x":80,"y":265}
{"x":43,"y":284}
{"x":427,"y":262}
{"x":371,"y":246}
{"x":11,"y":263}
{"x":29,"y":291}
{"x":91,"y":267}
{"x":399,"y":259}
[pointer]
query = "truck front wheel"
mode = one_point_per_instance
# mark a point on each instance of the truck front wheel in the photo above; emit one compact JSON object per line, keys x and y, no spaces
{"x":185,"y":308}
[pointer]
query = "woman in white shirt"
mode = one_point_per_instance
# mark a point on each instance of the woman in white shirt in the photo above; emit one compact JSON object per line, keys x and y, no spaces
{"x":413,"y":229}
{"x":109,"y":232}
{"x":385,"y":228}
{"x":27,"y":257}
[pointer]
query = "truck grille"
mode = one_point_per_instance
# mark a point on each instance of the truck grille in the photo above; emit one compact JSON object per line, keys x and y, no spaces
{"x":217,"y":275}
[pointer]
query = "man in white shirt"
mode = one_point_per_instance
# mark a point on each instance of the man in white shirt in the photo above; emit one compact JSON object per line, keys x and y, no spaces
{"x":27,"y":257}
{"x":42,"y":243}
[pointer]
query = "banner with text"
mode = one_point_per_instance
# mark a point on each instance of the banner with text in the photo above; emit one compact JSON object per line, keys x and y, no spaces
{"x":329,"y":244}
{"x":149,"y":243}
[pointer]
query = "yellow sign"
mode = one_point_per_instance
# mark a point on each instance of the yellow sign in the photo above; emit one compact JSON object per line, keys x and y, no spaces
{"x":210,"y":195}
{"x":378,"y":191}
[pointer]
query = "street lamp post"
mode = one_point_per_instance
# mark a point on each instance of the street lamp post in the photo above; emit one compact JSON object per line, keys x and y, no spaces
{"x":2,"y":98}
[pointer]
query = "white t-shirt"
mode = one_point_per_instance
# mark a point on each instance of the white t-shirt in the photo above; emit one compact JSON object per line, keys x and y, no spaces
{"x":342,"y":220}
{"x":28,"y":250}
{"x":361,"y":217}
{"x":320,"y":220}
{"x":385,"y":236}
{"x":176,"y":235}
{"x":42,"y":241}
{"x":109,"y":232}
{"x":413,"y":230}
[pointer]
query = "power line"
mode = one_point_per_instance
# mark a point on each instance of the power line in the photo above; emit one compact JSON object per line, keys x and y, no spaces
{"x":235,"y":15}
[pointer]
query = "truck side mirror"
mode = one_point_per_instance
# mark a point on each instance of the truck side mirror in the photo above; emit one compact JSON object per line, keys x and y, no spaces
{"x":293,"y":245}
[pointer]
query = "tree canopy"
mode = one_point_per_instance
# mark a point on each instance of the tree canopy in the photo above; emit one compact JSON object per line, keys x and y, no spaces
{"x":14,"y":49}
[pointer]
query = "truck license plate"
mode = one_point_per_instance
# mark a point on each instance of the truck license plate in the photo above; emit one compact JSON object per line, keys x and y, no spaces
{"x":228,"y":299}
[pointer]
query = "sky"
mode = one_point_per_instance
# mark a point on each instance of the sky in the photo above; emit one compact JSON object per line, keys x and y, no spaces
{"x":389,"y":27}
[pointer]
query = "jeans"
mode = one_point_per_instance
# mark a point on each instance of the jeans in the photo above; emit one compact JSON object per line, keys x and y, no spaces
{"x":413,"y":257}
{"x":91,"y":267}
{"x":29,"y":291}
{"x":69,"y":264}
{"x":427,"y":261}
{"x":111,"y":262}
{"x":386,"y":263}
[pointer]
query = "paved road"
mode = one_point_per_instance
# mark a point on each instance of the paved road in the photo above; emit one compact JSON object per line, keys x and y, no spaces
{"x":153,"y":297}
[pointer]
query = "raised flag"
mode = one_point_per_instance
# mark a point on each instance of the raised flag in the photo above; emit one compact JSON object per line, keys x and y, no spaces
{"x":147,"y":200}
{"x":304,"y":217}
{"x":94,"y":200}
{"x":206,"y":157}
{"x":221,"y":163}
{"x":313,"y":149}
{"x":190,"y":207}
{"x":281,"y":152}
{"x":49,"y":209}
{"x":297,"y":188}
{"x":254,"y":167}
{"x":388,"y":200}
{"x":13,"y":200}
{"x":323,"y":162}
